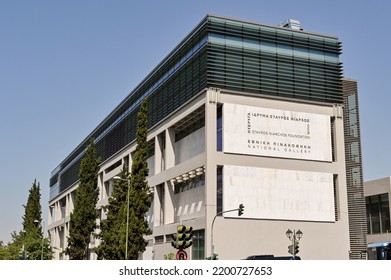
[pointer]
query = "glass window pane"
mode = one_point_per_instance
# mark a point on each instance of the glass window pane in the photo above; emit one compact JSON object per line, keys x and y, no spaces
{"x":268,"y":47}
{"x":198,"y":248}
{"x":367,"y":204}
{"x":375,"y":218}
{"x":219,"y":189}
{"x":219,"y":130}
{"x":284,"y":49}
{"x":351,"y":102}
{"x":384,"y":213}
{"x":354,"y":152}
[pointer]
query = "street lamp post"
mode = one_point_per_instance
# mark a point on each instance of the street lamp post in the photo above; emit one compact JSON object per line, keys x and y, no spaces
{"x":294,"y":236}
{"x":127,"y":214}
{"x":43,"y":231}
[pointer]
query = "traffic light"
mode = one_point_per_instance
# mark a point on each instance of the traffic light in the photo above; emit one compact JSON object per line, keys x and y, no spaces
{"x":240,"y":210}
{"x":174,"y":242}
{"x":291,"y":249}
{"x":296,"y":249}
{"x":183,"y":238}
{"x":185,"y":235}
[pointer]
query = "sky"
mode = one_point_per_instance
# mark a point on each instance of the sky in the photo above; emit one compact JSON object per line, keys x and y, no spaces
{"x":65,"y":65}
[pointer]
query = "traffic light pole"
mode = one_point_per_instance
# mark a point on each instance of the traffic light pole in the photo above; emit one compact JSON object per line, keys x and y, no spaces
{"x":218,"y":214}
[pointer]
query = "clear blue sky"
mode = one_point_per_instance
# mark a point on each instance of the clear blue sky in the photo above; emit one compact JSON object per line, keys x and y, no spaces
{"x":64,"y":65}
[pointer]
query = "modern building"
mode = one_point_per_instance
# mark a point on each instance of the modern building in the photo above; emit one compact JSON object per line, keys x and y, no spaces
{"x":239,"y":113}
{"x":354,"y":171}
{"x":377,"y":198}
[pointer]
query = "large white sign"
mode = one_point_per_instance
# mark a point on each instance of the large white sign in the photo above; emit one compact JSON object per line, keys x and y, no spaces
{"x":278,"y":194}
{"x":276,"y":133}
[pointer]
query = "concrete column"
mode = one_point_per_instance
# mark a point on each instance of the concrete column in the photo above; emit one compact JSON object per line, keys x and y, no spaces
{"x":170,"y":148}
{"x":158,"y":154}
{"x":56,"y":242}
{"x":211,"y":166}
{"x":169,"y":214}
{"x":157,"y":205}
{"x":130,"y":162}
{"x":67,"y":202}
{"x":342,"y":198}
{"x":339,"y":149}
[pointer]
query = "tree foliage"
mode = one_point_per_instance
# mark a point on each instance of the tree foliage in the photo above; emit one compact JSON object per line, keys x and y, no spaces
{"x":113,"y":228}
{"x":32,"y":219}
{"x":3,"y":251}
{"x":31,"y":238}
{"x":83,"y":218}
{"x":140,"y":200}
{"x":14,"y":247}
{"x":111,"y":233}
{"x":29,"y":243}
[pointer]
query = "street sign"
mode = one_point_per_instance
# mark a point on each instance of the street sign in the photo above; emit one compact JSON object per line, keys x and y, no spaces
{"x":181,"y":255}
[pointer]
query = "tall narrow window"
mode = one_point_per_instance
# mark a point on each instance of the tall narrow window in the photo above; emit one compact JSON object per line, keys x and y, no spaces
{"x":198,"y":248}
{"x":385,"y":213}
{"x":332,"y":127}
{"x":219,"y":186}
{"x":335,"y":183}
{"x":367,"y":204}
{"x":219,"y":129}
{"x":374,"y":200}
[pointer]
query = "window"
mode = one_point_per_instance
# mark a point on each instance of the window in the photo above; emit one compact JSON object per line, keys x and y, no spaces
{"x":354,"y":152}
{"x":194,"y":126}
{"x":219,"y":129}
{"x":198,"y":248}
{"x":384,"y":213}
{"x":159,"y":239}
{"x":353,"y":116}
{"x":192,"y":183}
{"x":113,"y":166}
{"x":378,"y":214}
{"x":219,"y":189}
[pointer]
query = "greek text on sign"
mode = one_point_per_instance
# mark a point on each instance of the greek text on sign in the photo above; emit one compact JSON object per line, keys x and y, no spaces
{"x":276,"y":133}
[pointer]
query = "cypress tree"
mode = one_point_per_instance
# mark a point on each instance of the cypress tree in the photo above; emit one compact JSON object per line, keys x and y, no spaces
{"x":32,"y":234}
{"x":31,"y":237}
{"x":140,"y":200}
{"x":112,"y":246}
{"x":32,"y":220}
{"x":113,"y":228}
{"x":83,"y":218}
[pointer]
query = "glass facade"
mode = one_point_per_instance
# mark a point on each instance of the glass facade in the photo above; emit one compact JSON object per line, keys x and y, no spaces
{"x":273,"y":61}
{"x":378,"y":214}
{"x":221,"y":53}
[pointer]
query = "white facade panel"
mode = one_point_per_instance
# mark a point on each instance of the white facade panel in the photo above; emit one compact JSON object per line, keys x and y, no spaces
{"x":276,"y":133}
{"x":190,"y":146}
{"x":189,"y":204}
{"x":278,"y":194}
